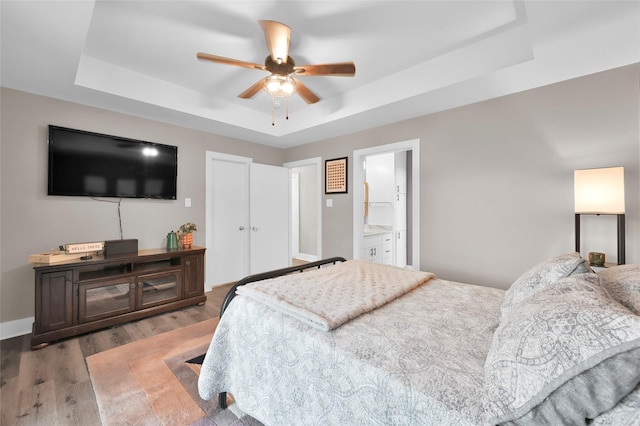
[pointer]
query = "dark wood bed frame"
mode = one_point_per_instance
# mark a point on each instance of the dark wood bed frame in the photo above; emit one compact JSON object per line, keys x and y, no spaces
{"x":222,"y":397}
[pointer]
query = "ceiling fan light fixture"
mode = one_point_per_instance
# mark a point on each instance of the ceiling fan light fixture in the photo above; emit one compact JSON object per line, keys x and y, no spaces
{"x":279,"y":86}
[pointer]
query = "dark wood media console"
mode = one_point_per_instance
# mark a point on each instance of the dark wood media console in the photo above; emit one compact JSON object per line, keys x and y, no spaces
{"x":79,"y":296}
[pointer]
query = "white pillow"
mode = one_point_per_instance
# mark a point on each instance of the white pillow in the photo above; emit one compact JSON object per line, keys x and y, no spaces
{"x":541,"y":276}
{"x":623,"y":283}
{"x":568,"y":353}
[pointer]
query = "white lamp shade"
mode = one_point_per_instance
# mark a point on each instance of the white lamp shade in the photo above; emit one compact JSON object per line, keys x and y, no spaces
{"x":599,"y":191}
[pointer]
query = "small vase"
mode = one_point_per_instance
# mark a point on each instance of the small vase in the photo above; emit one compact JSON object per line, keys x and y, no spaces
{"x":596,"y":258}
{"x":186,"y":240}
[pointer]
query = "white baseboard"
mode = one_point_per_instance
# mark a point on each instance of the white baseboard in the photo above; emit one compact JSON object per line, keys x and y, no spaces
{"x":307,"y":257}
{"x":15,"y":328}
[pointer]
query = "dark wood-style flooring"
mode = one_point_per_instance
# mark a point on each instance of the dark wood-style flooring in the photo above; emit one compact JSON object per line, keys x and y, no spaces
{"x":51,"y":386}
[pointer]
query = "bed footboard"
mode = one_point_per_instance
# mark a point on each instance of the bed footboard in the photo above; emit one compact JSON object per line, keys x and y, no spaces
{"x":222,"y":397}
{"x":276,"y":273}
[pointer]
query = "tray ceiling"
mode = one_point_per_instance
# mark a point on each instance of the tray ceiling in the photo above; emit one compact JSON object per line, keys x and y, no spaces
{"x":412,"y":57}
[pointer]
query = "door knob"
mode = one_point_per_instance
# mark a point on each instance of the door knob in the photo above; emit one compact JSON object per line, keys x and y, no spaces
{"x":254,"y":228}
{"x":241,"y":228}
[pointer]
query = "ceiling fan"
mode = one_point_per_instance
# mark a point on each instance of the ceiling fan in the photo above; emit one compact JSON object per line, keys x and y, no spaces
{"x":283,"y":82}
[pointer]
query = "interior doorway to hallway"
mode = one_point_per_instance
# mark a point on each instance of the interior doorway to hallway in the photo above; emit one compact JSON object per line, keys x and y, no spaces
{"x":306,"y":209}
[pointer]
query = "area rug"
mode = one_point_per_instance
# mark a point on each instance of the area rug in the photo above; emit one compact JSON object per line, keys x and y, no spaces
{"x":150,"y":382}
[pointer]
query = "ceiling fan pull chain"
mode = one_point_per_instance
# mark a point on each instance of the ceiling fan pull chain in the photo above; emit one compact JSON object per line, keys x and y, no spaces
{"x":273,"y":111}
{"x":287,"y":108}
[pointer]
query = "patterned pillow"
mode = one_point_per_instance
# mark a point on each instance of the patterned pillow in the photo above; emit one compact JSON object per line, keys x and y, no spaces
{"x":541,"y":276}
{"x":623,"y":283}
{"x":564,"y":356}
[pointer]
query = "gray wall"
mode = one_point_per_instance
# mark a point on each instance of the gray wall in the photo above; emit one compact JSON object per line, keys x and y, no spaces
{"x":32,"y":222}
{"x":497,"y":176}
{"x":496,"y":180}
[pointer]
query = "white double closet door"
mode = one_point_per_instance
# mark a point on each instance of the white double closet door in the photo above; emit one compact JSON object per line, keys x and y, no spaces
{"x":249,"y":217}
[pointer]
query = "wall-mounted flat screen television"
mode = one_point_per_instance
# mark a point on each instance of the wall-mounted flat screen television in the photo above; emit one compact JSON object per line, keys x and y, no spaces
{"x":91,"y":164}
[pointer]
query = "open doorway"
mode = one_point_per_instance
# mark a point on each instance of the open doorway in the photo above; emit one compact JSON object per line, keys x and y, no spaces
{"x":306,"y":212}
{"x":402,"y":209}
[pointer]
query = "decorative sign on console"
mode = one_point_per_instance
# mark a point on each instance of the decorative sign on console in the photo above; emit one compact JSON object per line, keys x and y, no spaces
{"x":83,"y":247}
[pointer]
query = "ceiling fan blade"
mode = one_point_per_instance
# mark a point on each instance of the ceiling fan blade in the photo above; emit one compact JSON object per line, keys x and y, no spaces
{"x":278,"y":37}
{"x":251,"y":91}
{"x":229,"y":61}
{"x":307,"y":95}
{"x":345,"y":69}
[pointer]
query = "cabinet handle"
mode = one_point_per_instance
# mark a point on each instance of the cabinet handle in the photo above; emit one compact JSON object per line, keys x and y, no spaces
{"x":132,"y":286}
{"x":188,"y":262}
{"x":254,"y":228}
{"x":241,"y":228}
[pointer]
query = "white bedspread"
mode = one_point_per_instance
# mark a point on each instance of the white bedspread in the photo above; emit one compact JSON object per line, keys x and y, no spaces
{"x":328,"y":297}
{"x":418,"y":360}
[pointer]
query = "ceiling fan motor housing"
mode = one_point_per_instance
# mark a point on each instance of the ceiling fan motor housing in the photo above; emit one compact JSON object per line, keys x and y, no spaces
{"x":284,"y":68}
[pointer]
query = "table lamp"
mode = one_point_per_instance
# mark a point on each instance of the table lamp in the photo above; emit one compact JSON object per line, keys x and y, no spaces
{"x":600,"y":192}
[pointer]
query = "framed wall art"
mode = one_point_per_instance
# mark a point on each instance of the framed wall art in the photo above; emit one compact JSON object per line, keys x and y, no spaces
{"x":335,"y":171}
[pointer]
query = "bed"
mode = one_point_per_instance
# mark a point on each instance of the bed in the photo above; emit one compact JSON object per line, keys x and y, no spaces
{"x":561,"y":346}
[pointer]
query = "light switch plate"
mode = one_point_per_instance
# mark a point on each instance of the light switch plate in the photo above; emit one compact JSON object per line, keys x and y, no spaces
{"x":329,"y":202}
{"x":187,"y":202}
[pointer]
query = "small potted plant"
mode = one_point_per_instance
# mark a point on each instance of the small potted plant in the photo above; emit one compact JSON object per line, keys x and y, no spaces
{"x":185,"y":233}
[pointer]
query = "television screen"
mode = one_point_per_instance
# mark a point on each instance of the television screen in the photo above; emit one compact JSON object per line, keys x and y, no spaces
{"x":97,"y":165}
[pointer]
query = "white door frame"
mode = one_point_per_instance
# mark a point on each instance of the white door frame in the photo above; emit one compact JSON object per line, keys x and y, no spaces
{"x":210,"y":156}
{"x":318,"y":162}
{"x":295,"y":214}
{"x":359,"y":155}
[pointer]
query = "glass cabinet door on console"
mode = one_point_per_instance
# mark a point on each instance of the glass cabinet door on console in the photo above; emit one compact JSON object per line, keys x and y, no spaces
{"x":104,"y":299}
{"x":159,"y":288}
